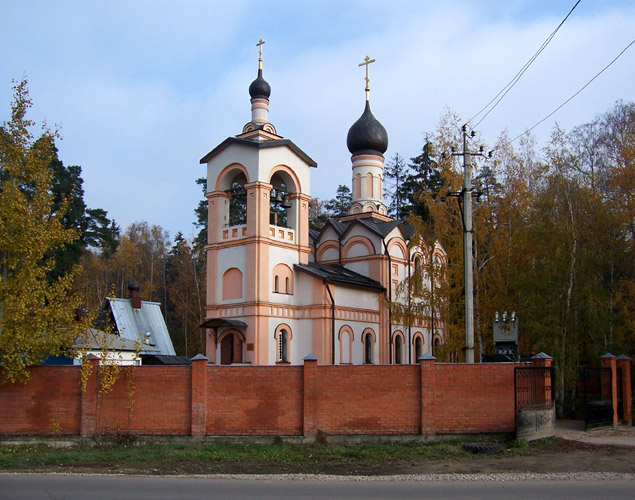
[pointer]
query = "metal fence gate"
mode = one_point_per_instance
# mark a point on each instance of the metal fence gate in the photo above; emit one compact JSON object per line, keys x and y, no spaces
{"x":534,"y":402}
{"x":598,"y":402}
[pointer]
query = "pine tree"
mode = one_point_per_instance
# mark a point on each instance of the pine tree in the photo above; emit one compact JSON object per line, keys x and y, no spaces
{"x":425,"y":177}
{"x":338,"y":206}
{"x":395,"y":175}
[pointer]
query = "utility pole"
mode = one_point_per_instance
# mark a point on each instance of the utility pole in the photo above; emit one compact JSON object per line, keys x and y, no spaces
{"x":465,"y":202}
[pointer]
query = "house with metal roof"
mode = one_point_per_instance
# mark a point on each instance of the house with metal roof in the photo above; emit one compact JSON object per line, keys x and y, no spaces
{"x":141,"y":321}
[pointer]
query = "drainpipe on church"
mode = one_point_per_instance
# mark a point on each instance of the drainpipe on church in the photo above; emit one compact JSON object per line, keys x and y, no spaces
{"x":389,"y":300}
{"x":410,"y":312}
{"x":326,"y":282}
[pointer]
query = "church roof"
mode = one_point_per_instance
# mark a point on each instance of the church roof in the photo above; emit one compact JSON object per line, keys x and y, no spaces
{"x":259,"y":145}
{"x":379,"y":227}
{"x":338,"y":274}
{"x":259,"y":88}
{"x":367,"y":135}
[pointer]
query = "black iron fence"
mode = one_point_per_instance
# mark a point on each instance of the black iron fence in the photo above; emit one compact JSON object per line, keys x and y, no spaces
{"x":597,"y":387}
{"x":533,"y":387}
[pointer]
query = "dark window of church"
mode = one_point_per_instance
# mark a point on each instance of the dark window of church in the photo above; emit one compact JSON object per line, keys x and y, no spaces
{"x":286,"y":285}
{"x":368,"y":349}
{"x":418,"y":348}
{"x":398,"y":350}
{"x":276,"y":284}
{"x":283,"y":346}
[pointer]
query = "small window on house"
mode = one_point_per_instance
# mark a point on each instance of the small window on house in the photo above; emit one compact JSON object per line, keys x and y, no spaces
{"x":283,"y":346}
{"x":398,"y":345}
{"x":368,"y":349}
{"x":276,"y":284}
{"x":287,"y":288}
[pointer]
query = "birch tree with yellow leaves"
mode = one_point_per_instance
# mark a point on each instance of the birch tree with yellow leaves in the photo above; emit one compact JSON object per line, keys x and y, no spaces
{"x":37,"y":313}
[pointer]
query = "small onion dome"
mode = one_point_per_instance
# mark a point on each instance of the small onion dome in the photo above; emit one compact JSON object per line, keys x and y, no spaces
{"x":259,"y":88}
{"x":367,"y":135}
{"x":133,"y":286}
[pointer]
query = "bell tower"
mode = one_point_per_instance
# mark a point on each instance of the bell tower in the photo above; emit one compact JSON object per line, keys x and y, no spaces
{"x":258,"y":187}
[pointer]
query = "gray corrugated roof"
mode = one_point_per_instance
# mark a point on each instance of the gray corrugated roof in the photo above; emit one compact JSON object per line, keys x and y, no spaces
{"x":338,"y":274}
{"x":135,"y":323}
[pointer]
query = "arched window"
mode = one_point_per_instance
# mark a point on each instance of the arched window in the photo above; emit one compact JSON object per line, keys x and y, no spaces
{"x":418,"y":348}
{"x":282,"y":274}
{"x":398,"y":349}
{"x":368,"y":348}
{"x":238,"y":201}
{"x":346,"y":344}
{"x":418,"y":276}
{"x":283,"y":346}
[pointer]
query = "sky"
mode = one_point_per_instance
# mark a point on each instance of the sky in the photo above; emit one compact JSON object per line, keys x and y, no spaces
{"x":141,"y":90}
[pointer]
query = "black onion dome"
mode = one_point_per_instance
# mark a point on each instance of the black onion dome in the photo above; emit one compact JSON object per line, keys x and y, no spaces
{"x":259,"y":88}
{"x":367,"y":135}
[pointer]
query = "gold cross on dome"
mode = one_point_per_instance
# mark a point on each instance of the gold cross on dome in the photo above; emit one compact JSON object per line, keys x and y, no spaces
{"x":259,"y":45}
{"x":367,"y":61}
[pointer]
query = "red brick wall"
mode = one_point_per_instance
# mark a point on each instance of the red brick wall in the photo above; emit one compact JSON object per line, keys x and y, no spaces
{"x":50,"y":399}
{"x":161,"y":402}
{"x":258,"y":400}
{"x":474,"y":398}
{"x":383,"y":399}
{"x":429,"y":398}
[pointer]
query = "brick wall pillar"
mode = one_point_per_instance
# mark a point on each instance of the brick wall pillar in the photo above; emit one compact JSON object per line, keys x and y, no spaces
{"x":610,"y":361}
{"x":543,"y":381}
{"x":199,"y":396}
{"x":624,"y":366}
{"x":88,"y":417}
{"x":310,"y":424}
{"x":428,"y":382}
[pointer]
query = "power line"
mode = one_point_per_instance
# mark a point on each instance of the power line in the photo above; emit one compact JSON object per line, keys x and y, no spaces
{"x":520,"y":73}
{"x":574,"y":95}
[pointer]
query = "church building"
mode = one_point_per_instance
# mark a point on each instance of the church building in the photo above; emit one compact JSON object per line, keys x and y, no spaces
{"x":278,"y":291}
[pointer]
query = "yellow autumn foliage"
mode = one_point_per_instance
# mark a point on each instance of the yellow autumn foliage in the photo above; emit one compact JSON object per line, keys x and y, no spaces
{"x":37,"y":315}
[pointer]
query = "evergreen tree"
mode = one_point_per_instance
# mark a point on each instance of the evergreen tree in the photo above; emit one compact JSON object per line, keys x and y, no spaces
{"x":424,"y":178}
{"x":395,"y":176}
{"x":95,"y":228}
{"x":201,"y":211}
{"x":338,"y":206}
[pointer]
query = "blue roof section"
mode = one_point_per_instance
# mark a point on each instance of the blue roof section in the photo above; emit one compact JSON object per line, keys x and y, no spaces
{"x":146,"y":324}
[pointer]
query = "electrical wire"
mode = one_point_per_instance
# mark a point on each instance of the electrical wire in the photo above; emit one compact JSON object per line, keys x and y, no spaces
{"x":574,"y":95}
{"x":520,"y":73}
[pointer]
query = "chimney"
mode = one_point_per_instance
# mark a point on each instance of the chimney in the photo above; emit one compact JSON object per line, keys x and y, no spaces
{"x":133,"y":288}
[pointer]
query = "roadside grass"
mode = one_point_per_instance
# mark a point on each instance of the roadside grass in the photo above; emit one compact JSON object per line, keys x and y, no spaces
{"x":278,"y":454}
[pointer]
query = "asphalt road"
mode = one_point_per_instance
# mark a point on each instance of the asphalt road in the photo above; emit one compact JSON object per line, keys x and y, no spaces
{"x":98,"y":487}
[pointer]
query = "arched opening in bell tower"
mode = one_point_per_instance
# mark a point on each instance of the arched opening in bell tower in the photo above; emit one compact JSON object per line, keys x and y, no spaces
{"x":283,"y":205}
